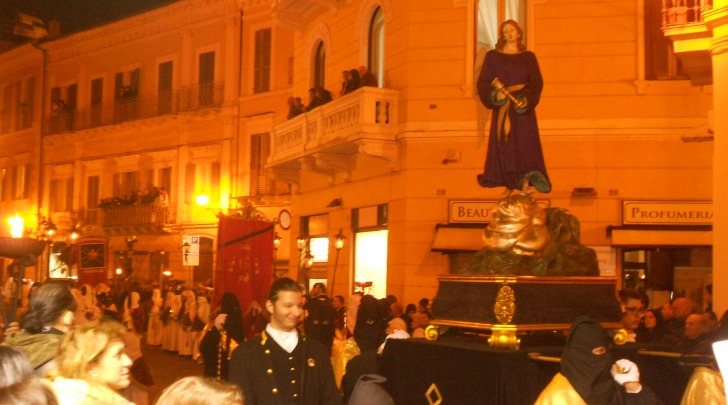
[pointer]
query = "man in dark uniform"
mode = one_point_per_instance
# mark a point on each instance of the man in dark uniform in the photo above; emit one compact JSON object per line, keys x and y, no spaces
{"x":281,"y":366}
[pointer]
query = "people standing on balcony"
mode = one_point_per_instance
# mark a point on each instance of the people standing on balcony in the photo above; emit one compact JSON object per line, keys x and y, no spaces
{"x":163,"y":198}
{"x":294,"y":107}
{"x":354,"y":81}
{"x":367,"y":77}
{"x":510,"y":84}
{"x":344,"y":80}
{"x":314,"y":100}
{"x":324,"y":94}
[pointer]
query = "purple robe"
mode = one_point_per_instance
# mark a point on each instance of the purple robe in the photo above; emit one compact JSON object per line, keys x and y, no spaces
{"x":516,"y":154}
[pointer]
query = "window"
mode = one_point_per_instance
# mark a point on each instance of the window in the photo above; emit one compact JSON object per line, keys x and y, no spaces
{"x":260,"y":184}
{"x":21,"y":181}
{"x":125,"y":183}
{"x":26,"y":107}
{"x":262,"y":60}
{"x":97,"y":88}
{"x":61,"y":195}
{"x":371,"y":240}
{"x":18,"y":104}
{"x":319,"y":248}
{"x":319,"y":73}
{"x":6,"y":113}
{"x":164,"y":179}
{"x":3,"y":181}
{"x":491,"y":13}
{"x":63,"y":107}
{"x":206,"y":80}
{"x":127,"y":92}
{"x":164,"y":88}
{"x":660,"y":61}
{"x":376,"y":46}
{"x":203,"y":179}
{"x":92,"y":192}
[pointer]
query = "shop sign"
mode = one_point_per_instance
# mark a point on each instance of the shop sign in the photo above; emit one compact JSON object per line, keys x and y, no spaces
{"x":477,"y":211}
{"x":667,"y":212}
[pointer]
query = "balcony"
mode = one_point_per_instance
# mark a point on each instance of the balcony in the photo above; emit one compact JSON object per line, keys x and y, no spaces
{"x":684,"y":24}
{"x":328,"y":138}
{"x":123,"y":219}
{"x":136,"y":107}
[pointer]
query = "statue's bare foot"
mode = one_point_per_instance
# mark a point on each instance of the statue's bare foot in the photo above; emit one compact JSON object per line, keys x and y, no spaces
{"x":507,"y":192}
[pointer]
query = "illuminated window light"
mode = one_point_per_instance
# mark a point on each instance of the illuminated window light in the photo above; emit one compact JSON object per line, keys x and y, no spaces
{"x":202,"y":199}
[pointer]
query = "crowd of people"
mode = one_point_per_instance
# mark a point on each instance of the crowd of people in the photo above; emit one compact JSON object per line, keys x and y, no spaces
{"x":676,"y":326}
{"x":318,"y":96}
{"x":83,"y":345}
{"x":149,"y":196}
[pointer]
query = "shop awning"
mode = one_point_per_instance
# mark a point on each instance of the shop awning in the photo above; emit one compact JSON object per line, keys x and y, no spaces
{"x":452,"y":238}
{"x":661,"y":235}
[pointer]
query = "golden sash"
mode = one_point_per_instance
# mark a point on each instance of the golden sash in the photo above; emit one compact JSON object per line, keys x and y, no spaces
{"x":504,"y":122}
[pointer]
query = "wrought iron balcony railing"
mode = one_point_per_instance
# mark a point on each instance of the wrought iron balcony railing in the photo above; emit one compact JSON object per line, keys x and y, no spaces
{"x":137,"y":107}
{"x":149,"y":215}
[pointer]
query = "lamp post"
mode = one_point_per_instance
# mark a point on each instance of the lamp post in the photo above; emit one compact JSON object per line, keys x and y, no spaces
{"x":48,"y":229}
{"x":301,"y":241}
{"x":185,"y":254}
{"x":340,"y":238}
{"x":24,"y":252}
{"x":276,"y":244}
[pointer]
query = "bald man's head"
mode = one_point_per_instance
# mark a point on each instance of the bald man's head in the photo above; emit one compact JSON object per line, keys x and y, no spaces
{"x":683,"y":307}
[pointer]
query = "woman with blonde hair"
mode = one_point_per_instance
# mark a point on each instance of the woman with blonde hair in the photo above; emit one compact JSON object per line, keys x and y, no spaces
{"x":200,"y":391}
{"x":92,"y":365}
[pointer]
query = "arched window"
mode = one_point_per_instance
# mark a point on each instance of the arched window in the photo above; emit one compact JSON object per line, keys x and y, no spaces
{"x":376,"y":45}
{"x":491,"y":13}
{"x":319,"y":63}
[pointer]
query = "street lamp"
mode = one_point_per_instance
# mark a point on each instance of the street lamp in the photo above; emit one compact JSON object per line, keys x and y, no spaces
{"x":185,"y":254}
{"x":301,"y":241}
{"x":340,"y":238}
{"x":276,"y":244}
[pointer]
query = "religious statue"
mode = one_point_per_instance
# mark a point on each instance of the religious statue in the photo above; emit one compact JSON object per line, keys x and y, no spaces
{"x":510,"y":84}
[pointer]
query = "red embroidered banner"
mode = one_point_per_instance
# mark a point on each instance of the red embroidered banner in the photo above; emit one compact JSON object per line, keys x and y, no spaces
{"x":244,"y":263}
{"x":92,"y":259}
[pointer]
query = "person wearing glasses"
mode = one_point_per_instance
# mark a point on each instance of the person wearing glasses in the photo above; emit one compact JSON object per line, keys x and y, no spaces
{"x":633,"y":308}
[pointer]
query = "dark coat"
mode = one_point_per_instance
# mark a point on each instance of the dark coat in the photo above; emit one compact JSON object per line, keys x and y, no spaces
{"x":269,"y":375}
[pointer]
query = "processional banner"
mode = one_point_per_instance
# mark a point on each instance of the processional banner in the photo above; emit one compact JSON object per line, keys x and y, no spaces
{"x":92,"y":260}
{"x":244,"y":263}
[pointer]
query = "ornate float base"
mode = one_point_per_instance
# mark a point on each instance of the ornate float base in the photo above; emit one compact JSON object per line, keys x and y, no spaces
{"x":506,"y":305}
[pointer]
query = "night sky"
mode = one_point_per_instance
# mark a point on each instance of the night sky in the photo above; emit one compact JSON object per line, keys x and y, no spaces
{"x":77,"y":15}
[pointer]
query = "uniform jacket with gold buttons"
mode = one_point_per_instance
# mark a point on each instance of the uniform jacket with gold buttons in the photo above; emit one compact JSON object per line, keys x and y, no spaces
{"x":268,"y":375}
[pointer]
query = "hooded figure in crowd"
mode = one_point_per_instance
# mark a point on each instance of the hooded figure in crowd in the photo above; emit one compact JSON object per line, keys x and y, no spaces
{"x":588,"y":374}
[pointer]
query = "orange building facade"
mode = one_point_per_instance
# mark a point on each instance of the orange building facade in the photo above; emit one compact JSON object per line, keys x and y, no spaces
{"x":193,"y":97}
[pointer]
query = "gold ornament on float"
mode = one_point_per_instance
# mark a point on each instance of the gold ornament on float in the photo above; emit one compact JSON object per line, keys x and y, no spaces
{"x":432,"y":332}
{"x":505,"y":305}
{"x":620,"y":336}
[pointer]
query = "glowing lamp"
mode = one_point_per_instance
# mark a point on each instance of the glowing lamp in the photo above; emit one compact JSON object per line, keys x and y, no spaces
{"x":16,"y":226}
{"x":202,"y":199}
